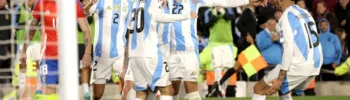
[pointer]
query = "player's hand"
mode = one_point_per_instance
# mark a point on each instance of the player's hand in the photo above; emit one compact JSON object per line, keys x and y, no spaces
{"x":343,"y":23}
{"x":123,"y":97}
{"x":249,"y":39}
{"x":334,"y":65}
{"x":276,"y":84}
{"x":193,"y":15}
{"x":23,"y":60}
{"x":275,"y":37}
{"x":86,"y":60}
{"x":164,"y":4}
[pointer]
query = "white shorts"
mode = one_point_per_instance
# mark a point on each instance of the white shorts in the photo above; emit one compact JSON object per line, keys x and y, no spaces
{"x":102,"y":68}
{"x":129,"y":75}
{"x":290,"y":82}
{"x":165,"y":49}
{"x":150,"y":71}
{"x":184,"y":65}
{"x":222,"y":56}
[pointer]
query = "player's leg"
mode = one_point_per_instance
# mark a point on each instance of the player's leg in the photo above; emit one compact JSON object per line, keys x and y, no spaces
{"x":190,"y":62}
{"x":140,"y":82}
{"x":85,"y":76}
{"x":160,"y":76}
{"x":102,"y":72}
{"x":49,"y":76}
{"x":128,"y":92}
{"x":174,"y":64}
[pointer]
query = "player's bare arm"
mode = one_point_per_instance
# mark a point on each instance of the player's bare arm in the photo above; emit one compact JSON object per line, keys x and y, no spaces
{"x":89,"y":5}
{"x":28,"y":38}
{"x":84,"y":26}
{"x":126,"y":55}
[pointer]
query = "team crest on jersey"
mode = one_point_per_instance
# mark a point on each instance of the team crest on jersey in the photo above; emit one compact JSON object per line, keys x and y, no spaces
{"x":116,"y":8}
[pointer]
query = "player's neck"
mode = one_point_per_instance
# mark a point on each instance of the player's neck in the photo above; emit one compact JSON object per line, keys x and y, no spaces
{"x":288,"y":4}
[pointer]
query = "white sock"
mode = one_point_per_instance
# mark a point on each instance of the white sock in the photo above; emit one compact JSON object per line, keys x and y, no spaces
{"x":194,"y":96}
{"x":175,"y":97}
{"x":218,"y":76}
{"x":138,"y":99}
{"x":86,"y":87}
{"x":258,"y":97}
{"x":165,"y":97}
{"x":151,"y":96}
{"x":286,"y":97}
{"x":131,"y":95}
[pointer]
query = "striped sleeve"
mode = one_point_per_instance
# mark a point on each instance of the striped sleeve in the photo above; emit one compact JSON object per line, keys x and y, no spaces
{"x":288,"y":37}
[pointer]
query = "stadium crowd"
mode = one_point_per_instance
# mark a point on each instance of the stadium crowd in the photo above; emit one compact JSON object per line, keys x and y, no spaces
{"x":248,"y":25}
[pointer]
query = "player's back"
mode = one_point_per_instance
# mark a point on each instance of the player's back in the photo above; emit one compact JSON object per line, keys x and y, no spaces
{"x":111,"y":17}
{"x":299,"y":31}
{"x":144,"y":42}
{"x":46,"y":12}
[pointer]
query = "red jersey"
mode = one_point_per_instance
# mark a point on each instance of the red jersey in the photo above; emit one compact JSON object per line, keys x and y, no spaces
{"x":49,"y":22}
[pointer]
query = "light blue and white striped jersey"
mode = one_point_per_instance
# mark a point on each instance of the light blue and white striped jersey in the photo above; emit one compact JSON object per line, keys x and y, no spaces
{"x":143,"y":26}
{"x":302,"y":50}
{"x":163,"y":29}
{"x":111,"y":18}
{"x":185,"y":35}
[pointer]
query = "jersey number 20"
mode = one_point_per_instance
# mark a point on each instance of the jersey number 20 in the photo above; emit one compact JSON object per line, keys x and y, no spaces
{"x":313,"y":32}
{"x":136,"y":18}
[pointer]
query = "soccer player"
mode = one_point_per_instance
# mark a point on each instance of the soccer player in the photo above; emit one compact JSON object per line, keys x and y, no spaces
{"x":112,"y":19}
{"x":145,"y":59}
{"x":302,"y":57}
{"x":45,"y":11}
{"x":184,"y":60}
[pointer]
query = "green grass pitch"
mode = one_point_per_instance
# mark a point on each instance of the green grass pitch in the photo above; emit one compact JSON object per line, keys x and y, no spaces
{"x":294,"y":98}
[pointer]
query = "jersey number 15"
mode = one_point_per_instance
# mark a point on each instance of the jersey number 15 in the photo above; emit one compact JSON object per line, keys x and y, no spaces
{"x":313,"y":32}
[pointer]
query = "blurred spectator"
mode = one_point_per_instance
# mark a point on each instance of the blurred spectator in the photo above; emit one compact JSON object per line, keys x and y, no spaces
{"x":342,"y":11}
{"x":5,"y":36}
{"x":341,"y":35}
{"x":268,"y":10}
{"x":331,"y":49}
{"x":278,"y":15}
{"x":324,"y":13}
{"x":268,"y":43}
{"x":329,"y":4}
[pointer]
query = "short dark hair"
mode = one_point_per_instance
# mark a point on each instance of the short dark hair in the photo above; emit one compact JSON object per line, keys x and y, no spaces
{"x":324,"y":20}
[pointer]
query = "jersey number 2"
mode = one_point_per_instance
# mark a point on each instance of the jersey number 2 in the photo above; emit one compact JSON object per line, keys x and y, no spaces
{"x":115,"y":19}
{"x":313,"y":32}
{"x":177,"y":8}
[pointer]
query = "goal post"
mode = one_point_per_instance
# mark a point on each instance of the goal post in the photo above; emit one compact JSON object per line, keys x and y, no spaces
{"x":67,"y":38}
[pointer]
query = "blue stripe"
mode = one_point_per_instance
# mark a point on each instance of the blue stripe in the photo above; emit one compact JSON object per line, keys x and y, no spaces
{"x":158,"y":71}
{"x":130,"y":4}
{"x":206,"y":16}
{"x":317,"y":55}
{"x":194,"y":7}
{"x":134,"y":35}
{"x":285,"y":86}
{"x":139,"y":88}
{"x":148,"y":19}
{"x":298,"y":38}
{"x":179,"y":38}
{"x":166,"y":28}
{"x":113,"y":52}
{"x":98,"y":48}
